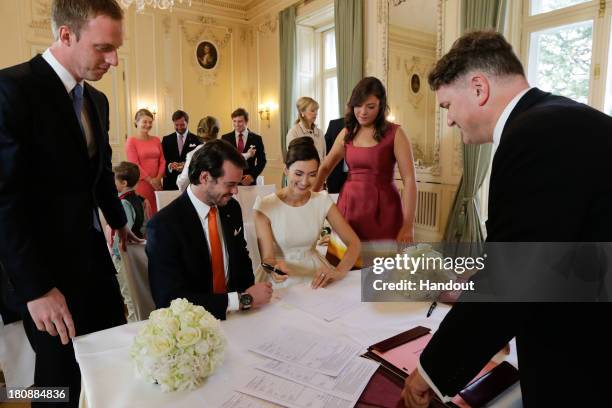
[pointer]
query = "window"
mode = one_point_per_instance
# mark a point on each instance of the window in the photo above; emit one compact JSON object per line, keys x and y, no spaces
{"x":329,"y":82}
{"x":544,"y":6}
{"x":565,"y":49}
{"x":316,"y":66}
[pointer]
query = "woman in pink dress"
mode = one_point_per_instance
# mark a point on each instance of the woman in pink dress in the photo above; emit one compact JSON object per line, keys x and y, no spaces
{"x":371,"y":146}
{"x":146,"y":151}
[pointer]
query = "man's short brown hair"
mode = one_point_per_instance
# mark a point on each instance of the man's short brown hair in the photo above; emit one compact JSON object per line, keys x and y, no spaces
{"x":126,"y":171}
{"x":486,"y":51}
{"x":75,"y":13}
{"x":241,"y":112}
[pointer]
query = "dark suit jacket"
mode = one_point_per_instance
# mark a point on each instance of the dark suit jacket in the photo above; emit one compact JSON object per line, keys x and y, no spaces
{"x":49,"y":187}
{"x":337,"y":177}
{"x":171,"y":154}
{"x":549,"y":183}
{"x":179,"y":260}
{"x":256,"y":163}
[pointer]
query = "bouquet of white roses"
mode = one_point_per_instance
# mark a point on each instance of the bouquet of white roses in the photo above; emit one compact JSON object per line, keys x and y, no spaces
{"x":179,"y":347}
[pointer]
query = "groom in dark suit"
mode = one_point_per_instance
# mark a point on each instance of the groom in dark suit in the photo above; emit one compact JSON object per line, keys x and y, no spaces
{"x":55,"y":173}
{"x":549,"y":183}
{"x":249,"y":144}
{"x":196,"y":245}
{"x":176,"y":146}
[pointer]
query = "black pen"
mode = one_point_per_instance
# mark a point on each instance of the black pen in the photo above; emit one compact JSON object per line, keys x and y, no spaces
{"x":431,"y":308}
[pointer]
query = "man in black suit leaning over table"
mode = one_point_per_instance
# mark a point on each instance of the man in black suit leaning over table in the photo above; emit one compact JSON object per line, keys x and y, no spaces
{"x":176,"y":146}
{"x":538,"y":193}
{"x":196,"y":246}
{"x":242,"y":139}
{"x":52,"y":251}
{"x":337,"y":177}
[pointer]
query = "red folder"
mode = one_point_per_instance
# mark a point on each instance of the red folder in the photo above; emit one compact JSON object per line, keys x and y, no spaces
{"x":399,"y":356}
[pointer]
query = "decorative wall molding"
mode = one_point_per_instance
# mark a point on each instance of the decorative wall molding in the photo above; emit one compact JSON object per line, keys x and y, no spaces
{"x":269,"y":26}
{"x":40,"y":19}
{"x":206,"y":27}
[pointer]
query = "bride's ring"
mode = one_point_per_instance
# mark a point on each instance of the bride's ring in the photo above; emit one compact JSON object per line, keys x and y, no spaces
{"x":323,"y":274}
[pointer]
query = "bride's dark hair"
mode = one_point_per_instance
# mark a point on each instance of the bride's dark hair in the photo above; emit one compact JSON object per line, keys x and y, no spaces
{"x":301,"y":149}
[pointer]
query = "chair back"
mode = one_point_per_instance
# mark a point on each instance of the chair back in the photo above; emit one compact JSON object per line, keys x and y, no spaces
{"x":247,"y":196}
{"x":135,"y":265}
{"x":164,"y":198}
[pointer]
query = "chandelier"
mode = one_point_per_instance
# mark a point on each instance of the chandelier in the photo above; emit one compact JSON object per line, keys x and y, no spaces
{"x":160,"y":4}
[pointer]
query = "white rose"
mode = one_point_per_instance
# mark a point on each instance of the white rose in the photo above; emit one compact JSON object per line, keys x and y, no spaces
{"x":179,"y":305}
{"x":188,"y":336}
{"x":161,"y":345}
{"x":160,"y":314}
{"x":188,"y":319}
{"x":169,"y":326}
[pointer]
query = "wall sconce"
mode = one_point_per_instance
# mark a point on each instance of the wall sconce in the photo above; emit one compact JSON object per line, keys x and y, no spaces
{"x":264,"y":112}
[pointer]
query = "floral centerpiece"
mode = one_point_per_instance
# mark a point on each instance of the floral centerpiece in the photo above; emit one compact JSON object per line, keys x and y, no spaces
{"x":179,"y":346}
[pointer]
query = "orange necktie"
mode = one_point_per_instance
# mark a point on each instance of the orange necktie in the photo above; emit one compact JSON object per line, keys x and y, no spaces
{"x":216,"y":252}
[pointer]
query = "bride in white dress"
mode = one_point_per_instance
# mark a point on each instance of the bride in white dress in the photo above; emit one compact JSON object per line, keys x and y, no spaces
{"x":288,"y":225}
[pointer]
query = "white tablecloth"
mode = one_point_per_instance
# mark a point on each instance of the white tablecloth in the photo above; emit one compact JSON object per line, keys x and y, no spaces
{"x":109,"y":379}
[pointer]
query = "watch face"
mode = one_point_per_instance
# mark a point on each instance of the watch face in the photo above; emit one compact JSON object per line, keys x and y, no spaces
{"x":246,"y":300}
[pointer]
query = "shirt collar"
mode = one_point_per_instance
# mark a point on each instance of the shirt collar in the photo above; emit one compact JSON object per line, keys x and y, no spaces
{"x":66,"y":77}
{"x":184,"y":135}
{"x":201,"y":208}
{"x":503,"y":118}
{"x":304,"y":129}
{"x":245,"y":133}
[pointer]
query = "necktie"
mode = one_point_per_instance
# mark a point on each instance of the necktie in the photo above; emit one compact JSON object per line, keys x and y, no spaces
{"x":240,"y":145}
{"x":216,"y":252}
{"x":181,"y":142}
{"x":77,"y":103}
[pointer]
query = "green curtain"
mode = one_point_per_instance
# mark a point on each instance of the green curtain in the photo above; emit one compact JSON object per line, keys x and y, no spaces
{"x":464,"y":224}
{"x":288,"y":74}
{"x":348,"y":21}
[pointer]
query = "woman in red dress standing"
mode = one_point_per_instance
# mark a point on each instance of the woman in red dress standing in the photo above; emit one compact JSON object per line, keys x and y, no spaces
{"x":371,"y":146}
{"x":146,"y":151}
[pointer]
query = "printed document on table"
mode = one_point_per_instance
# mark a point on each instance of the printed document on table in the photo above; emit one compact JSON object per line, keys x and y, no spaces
{"x":349,"y":384}
{"x":238,"y":400}
{"x":324,"y":354}
{"x":290,"y":394}
{"x":324,"y":304}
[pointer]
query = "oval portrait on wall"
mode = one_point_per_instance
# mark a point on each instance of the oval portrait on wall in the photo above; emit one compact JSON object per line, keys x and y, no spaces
{"x":206,"y":53}
{"x":415,"y":83}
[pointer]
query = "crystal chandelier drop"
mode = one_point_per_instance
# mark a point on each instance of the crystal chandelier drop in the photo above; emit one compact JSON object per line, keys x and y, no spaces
{"x":160,"y":4}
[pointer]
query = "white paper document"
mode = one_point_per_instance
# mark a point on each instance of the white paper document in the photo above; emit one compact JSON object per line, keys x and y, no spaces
{"x":290,"y":394}
{"x":349,"y":384}
{"x":325,"y":305}
{"x":323,"y":354}
{"x":238,"y":400}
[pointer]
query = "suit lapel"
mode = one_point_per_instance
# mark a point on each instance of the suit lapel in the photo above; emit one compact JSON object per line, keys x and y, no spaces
{"x":194,"y":231}
{"x":59,"y":98}
{"x":228,"y":237}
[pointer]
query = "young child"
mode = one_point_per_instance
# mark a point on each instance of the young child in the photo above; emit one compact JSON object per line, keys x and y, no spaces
{"x":126,"y":178}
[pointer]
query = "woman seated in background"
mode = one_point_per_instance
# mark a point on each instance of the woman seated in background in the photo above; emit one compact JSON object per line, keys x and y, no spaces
{"x":145,"y":150}
{"x":307,"y":109}
{"x":288,"y":224}
{"x":208,"y":129}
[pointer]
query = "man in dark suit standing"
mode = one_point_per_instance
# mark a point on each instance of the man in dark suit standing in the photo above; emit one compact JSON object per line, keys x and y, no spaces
{"x":176,"y":146}
{"x":337,"y":177}
{"x":196,"y":245}
{"x":538,"y":194}
{"x":51,"y":246}
{"x":249,"y":144}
